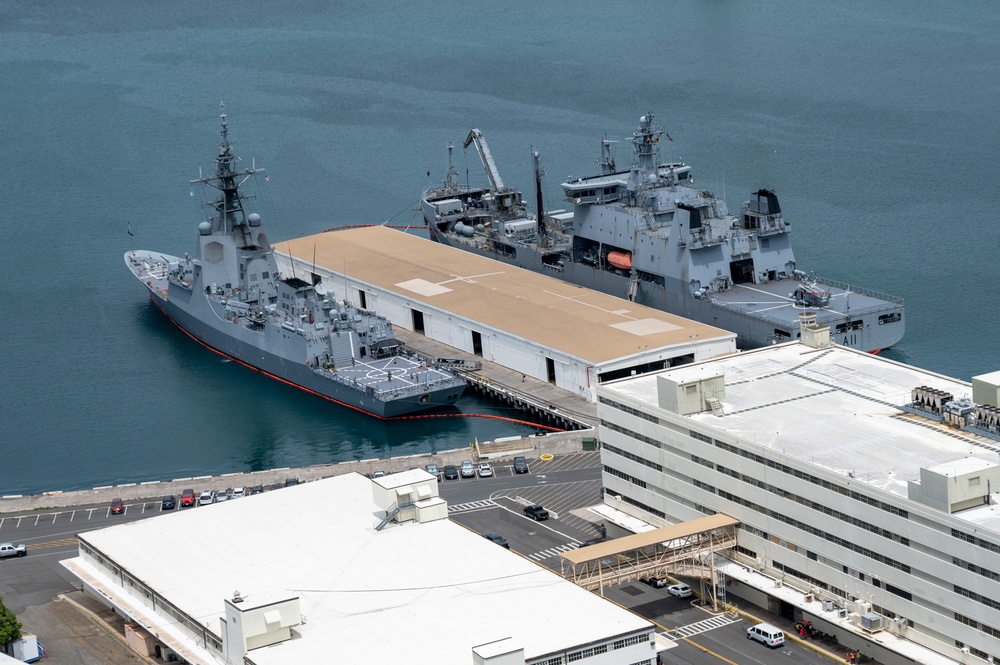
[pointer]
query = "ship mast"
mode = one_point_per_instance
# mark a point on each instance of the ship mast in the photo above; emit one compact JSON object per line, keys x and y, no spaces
{"x":229,"y":211}
{"x":539,"y":172}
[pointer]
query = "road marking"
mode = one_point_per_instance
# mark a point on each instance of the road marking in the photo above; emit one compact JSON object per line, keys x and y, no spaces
{"x":699,"y":627}
{"x":53,"y":543}
{"x":471,"y":506}
{"x":552,"y":551}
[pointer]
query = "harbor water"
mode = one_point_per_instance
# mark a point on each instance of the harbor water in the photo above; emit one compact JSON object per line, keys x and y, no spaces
{"x":873,"y":122}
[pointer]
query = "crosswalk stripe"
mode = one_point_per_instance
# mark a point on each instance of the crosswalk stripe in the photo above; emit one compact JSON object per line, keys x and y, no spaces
{"x":700,"y":627}
{"x":552,"y":551}
{"x":471,"y":505}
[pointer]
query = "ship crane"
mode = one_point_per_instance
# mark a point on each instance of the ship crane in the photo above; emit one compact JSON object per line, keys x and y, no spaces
{"x":476,"y":136}
{"x":505,"y":199}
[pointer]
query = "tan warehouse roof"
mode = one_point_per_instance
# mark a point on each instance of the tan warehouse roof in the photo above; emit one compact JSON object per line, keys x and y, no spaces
{"x":577,"y":321}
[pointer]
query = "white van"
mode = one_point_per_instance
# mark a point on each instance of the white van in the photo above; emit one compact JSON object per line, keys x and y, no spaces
{"x":767,"y":634}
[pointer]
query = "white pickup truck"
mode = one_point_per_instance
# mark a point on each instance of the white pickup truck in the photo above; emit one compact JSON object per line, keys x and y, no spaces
{"x":10,"y":549}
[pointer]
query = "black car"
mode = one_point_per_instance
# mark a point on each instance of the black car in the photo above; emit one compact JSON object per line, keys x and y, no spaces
{"x":536,"y":513}
{"x":169,"y":503}
{"x":450,"y":472}
{"x":257,"y":489}
{"x":498,"y":539}
{"x":520,"y":465}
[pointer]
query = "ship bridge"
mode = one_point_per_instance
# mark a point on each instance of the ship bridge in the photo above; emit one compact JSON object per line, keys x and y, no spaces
{"x":687,"y":548}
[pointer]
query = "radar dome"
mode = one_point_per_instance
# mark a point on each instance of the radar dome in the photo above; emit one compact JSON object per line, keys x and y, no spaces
{"x":205,"y":228}
{"x":254,"y":219}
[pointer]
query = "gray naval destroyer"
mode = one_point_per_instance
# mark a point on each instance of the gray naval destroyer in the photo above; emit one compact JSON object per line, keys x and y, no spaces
{"x":646,"y":233}
{"x":231,"y":298}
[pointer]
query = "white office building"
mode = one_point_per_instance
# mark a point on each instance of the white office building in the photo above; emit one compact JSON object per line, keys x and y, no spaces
{"x":861,"y":482}
{"x":345,"y":570}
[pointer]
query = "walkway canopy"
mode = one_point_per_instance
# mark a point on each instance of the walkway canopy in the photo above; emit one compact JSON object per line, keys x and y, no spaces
{"x":685,"y":548}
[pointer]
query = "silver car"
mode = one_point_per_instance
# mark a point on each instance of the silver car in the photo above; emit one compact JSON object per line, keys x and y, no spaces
{"x":468,"y":471}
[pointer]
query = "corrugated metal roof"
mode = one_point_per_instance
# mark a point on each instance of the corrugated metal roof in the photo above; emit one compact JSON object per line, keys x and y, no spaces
{"x":577,"y":321}
{"x":647,"y":538}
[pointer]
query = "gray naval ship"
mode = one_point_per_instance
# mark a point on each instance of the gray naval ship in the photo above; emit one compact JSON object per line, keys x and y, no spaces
{"x":231,"y":298}
{"x":646,"y":233}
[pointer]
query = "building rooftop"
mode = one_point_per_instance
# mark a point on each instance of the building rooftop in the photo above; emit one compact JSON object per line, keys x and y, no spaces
{"x":838,"y":409}
{"x":427,"y":592}
{"x":577,"y":321}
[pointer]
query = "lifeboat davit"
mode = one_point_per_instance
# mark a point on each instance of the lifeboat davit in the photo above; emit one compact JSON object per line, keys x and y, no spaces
{"x":621,"y":260}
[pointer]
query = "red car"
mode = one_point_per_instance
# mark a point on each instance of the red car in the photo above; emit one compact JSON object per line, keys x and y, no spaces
{"x":188,"y":498}
{"x":117,"y":507}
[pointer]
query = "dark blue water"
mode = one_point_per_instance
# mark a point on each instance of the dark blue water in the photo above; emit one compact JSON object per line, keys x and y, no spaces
{"x":875,"y":123}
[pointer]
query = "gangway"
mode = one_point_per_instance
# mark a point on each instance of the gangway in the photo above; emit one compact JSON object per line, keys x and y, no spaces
{"x":687,"y":548}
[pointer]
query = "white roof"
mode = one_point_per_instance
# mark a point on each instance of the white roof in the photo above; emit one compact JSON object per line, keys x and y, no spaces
{"x":835,"y":408}
{"x":362,"y":592}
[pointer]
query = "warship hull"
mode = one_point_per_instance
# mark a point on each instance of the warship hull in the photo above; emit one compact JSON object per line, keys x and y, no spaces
{"x":759,"y":314}
{"x":261,"y":351}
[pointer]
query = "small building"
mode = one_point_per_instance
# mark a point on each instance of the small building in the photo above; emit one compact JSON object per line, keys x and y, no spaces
{"x":871,"y":487}
{"x":540,"y":326}
{"x":351,"y":571}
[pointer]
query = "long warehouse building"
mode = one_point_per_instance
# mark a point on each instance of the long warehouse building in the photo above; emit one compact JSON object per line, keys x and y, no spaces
{"x":540,"y":326}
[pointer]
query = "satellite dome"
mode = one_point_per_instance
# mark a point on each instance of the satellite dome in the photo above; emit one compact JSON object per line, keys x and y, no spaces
{"x":205,"y":228}
{"x":254,"y":219}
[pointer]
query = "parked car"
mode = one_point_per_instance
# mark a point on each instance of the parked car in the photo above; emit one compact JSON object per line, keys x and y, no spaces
{"x":434,"y":471}
{"x":655,"y":582}
{"x":10,"y":549}
{"x":257,"y":489}
{"x":222,"y":495}
{"x":679,"y":590}
{"x":168,"y":503}
{"x":117,"y":507}
{"x":207,"y":497}
{"x":239,"y":493}
{"x":520,"y":465}
{"x":498,"y":539}
{"x":536,"y":513}
{"x":378,"y":474}
{"x":485,"y":470}
{"x":187,"y":498}
{"x":468,"y":471}
{"x":450,"y":472}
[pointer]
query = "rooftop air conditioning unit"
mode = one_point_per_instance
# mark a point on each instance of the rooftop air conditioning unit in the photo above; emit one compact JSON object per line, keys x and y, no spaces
{"x":777,"y":584}
{"x":871,"y":622}
{"x":964,"y":649}
{"x":827,"y":605}
{"x":809,"y":598}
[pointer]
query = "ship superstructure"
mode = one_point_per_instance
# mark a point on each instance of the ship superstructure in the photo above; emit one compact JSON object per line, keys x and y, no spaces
{"x":648,"y":234}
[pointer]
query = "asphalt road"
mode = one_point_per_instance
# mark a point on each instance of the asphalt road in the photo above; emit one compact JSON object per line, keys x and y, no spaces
{"x":566,"y":486}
